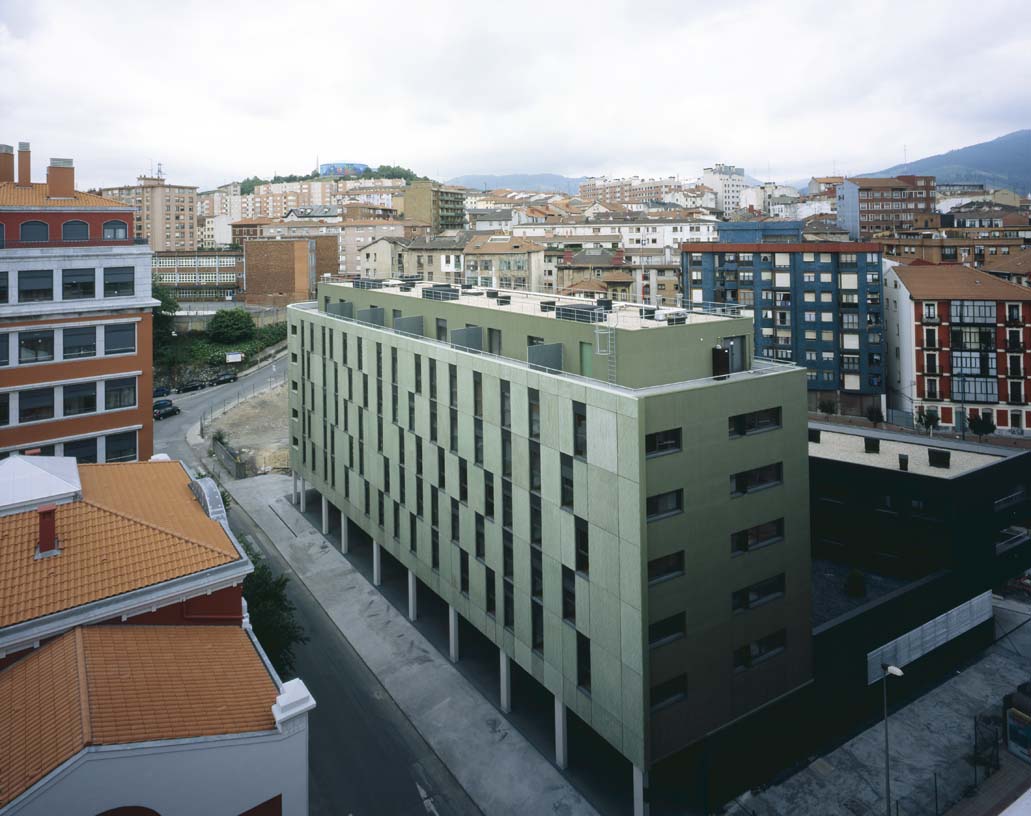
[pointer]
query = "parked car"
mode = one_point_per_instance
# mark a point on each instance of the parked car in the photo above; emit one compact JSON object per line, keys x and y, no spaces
{"x":166,"y":411}
{"x":162,"y":391}
{"x":191,"y":385}
{"x":159,"y":404}
{"x":224,"y":377}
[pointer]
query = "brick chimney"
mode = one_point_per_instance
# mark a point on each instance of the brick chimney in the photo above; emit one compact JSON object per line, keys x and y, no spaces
{"x":6,"y":163}
{"x":24,"y":165}
{"x":47,"y":530}
{"x":61,"y":179}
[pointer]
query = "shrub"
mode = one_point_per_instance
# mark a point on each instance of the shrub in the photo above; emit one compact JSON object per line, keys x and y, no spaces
{"x":231,"y":326}
{"x":828,"y":407}
{"x":875,"y":415}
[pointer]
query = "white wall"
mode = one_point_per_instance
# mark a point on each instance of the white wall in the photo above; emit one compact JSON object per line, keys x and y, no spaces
{"x":213,"y":775}
{"x":900,"y":345}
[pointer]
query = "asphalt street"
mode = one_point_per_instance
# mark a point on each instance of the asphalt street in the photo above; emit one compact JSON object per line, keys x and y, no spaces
{"x":365,"y":756}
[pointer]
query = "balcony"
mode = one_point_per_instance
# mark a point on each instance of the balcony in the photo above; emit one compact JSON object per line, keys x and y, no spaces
{"x":1015,"y":373}
{"x":1014,"y":346}
{"x":929,"y":320}
{"x":1014,"y":322}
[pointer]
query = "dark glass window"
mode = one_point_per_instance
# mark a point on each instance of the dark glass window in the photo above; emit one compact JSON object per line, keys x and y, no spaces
{"x":506,"y":404}
{"x":119,"y":281}
{"x":534,"y":407}
{"x":35,"y":404}
{"x":536,"y":528}
{"x":121,"y":447}
{"x":508,"y":620}
{"x":433,"y":379}
{"x":579,"y":429}
{"x":453,"y":430}
{"x":506,"y":454}
{"x":435,"y":549}
{"x":463,"y":571}
{"x":80,"y":398}
{"x":4,"y":285}
{"x":418,"y":371}
{"x":668,"y":566}
{"x":463,"y":480}
{"x":567,"y":481}
{"x":488,"y":494}
{"x":535,"y":466}
{"x":35,"y":285}
{"x":665,"y":504}
{"x":568,"y":595}
{"x":670,"y":692}
{"x":583,"y":662}
{"x":758,"y":536}
{"x":78,"y":284}
{"x":583,"y":559}
{"x":116,"y":231}
{"x":536,"y":574}
{"x":506,"y":554}
{"x":441,"y":469}
{"x":667,"y":629}
{"x":758,"y":593}
{"x":35,"y":346}
{"x":454,"y":520}
{"x":34,"y":231}
{"x":491,"y":591}
{"x":477,"y":394}
{"x":120,"y":338}
{"x":74,"y":231}
{"x":758,"y":650}
{"x":754,"y":422}
{"x":537,"y":626}
{"x":5,"y":409}
{"x":452,"y":379}
{"x":660,"y":442}
{"x":756,"y":479}
{"x":478,"y":442}
{"x":480,"y":537}
{"x":83,"y":450}
{"x":120,"y":393}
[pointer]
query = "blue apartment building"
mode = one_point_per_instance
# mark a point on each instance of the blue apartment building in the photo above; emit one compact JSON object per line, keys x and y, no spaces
{"x":818,"y":304}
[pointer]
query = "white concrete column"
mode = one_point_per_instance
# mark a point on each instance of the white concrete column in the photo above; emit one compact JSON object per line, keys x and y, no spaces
{"x":294,"y":497}
{"x":452,"y":626}
{"x":561,"y":749}
{"x":304,"y":495}
{"x":343,"y":533}
{"x":412,"y":599}
{"x":640,"y":792}
{"x":325,"y":515}
{"x":506,"y":683}
{"x":377,"y":576}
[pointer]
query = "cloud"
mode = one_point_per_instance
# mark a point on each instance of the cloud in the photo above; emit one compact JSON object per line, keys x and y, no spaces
{"x":217,"y":91}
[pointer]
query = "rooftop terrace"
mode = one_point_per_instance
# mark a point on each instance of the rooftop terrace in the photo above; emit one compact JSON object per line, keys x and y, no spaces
{"x":614,"y":313}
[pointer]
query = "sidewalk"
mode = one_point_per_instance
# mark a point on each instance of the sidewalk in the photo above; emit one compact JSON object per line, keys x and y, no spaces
{"x":499,"y":769}
{"x":999,"y":791}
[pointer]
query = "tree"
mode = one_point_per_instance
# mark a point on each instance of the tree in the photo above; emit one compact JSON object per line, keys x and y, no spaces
{"x":164,"y":315}
{"x":827,"y":407}
{"x":231,"y":326}
{"x":875,"y":415}
{"x":272,"y":614}
{"x":981,"y":425}
{"x":928,"y":420}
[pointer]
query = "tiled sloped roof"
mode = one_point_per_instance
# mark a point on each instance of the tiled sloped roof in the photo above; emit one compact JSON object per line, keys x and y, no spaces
{"x":111,"y":685}
{"x":1014,"y":263}
{"x":953,"y":281}
{"x":35,"y":195}
{"x":137,"y":525}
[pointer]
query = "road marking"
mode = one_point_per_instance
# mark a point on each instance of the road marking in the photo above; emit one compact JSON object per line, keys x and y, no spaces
{"x":427,"y":800}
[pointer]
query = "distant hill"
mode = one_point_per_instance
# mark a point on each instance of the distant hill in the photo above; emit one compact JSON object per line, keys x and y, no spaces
{"x":1003,"y":162}
{"x":536,"y":182}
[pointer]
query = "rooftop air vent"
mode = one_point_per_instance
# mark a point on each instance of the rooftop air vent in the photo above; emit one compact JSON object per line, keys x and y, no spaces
{"x":872,"y":445}
{"x":938,"y":458}
{"x":814,"y":435}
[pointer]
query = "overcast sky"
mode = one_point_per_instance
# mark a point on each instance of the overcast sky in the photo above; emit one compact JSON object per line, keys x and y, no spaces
{"x":217,"y":91}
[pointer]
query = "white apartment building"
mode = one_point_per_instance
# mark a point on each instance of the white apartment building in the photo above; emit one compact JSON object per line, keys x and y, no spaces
{"x":728,"y":182}
{"x":631,"y":233}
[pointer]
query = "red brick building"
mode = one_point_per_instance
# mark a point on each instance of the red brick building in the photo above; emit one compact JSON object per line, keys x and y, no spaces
{"x":960,"y":347}
{"x":75,"y":319}
{"x":278,"y":271}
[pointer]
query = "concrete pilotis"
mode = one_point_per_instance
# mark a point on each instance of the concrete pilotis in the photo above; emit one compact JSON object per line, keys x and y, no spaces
{"x":412,"y":600}
{"x":377,"y":575}
{"x":506,"y":683}
{"x":640,"y":792}
{"x":325,"y":515}
{"x":452,"y":628}
{"x":304,"y":496}
{"x":343,"y":533}
{"x":294,"y":496}
{"x":561,"y":749}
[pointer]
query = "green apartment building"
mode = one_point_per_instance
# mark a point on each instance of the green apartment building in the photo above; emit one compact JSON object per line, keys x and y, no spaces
{"x":438,"y":205}
{"x":617,"y":497}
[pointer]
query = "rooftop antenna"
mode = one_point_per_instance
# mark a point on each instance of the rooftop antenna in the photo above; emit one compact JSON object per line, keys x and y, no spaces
{"x":160,"y":171}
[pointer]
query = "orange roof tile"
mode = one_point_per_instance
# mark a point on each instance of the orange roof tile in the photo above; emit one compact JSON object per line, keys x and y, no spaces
{"x":111,"y":685}
{"x":138,"y":524}
{"x":35,"y":195}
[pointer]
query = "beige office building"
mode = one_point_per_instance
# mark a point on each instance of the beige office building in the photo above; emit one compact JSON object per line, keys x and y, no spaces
{"x":166,"y":214}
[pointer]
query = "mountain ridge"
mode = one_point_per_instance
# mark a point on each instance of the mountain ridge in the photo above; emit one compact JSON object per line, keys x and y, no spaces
{"x":1001,"y":162}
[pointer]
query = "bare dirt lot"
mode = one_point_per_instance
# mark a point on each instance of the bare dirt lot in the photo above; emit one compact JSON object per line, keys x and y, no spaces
{"x":258,"y":428}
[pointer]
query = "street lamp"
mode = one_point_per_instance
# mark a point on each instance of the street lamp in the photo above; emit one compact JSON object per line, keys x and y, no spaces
{"x":894,"y":671}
